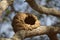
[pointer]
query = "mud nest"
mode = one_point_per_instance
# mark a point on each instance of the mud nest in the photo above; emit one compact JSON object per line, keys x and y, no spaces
{"x":25,"y":21}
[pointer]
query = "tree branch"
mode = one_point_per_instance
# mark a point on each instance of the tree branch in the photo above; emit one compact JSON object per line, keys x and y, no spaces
{"x":42,"y":9}
{"x":50,"y":31}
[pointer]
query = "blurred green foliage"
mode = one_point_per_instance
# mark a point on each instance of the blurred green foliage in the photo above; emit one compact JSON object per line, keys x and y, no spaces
{"x":7,"y":12}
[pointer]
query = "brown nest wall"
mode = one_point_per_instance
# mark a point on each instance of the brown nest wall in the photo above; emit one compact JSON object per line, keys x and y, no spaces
{"x":25,"y":21}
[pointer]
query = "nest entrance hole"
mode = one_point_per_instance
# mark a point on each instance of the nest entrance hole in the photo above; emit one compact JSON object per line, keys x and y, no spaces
{"x":30,"y":20}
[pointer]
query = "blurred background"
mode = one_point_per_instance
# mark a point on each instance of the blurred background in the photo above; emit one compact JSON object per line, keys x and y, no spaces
{"x":6,"y":29}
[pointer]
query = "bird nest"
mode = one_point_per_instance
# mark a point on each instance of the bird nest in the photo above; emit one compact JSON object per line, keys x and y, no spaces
{"x":25,"y":21}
